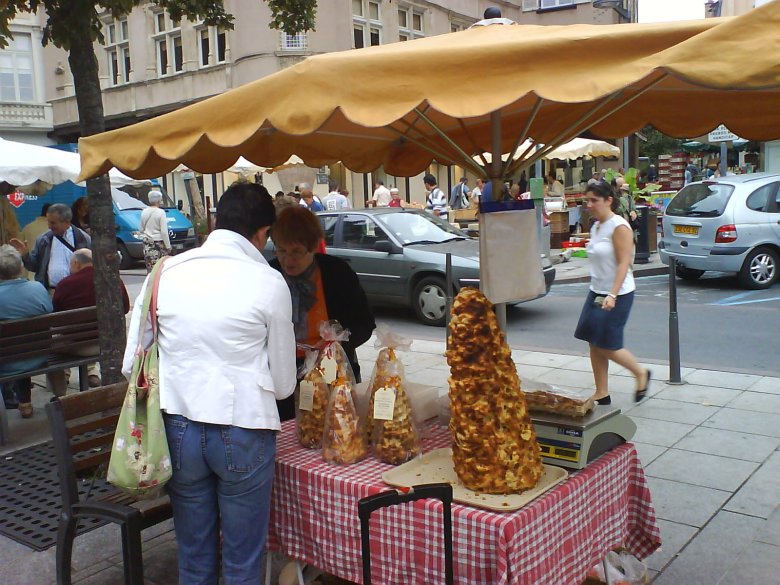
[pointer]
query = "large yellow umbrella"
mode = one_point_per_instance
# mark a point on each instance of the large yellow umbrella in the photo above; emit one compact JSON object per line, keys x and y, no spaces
{"x":488,"y":88}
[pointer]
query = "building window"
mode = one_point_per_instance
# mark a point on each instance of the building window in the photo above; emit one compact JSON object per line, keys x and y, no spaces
{"x":366,"y":24}
{"x":16,"y":70}
{"x":410,"y":24}
{"x":555,"y":3}
{"x":203,"y":46}
{"x":296,"y":42}
{"x":221,"y":45}
{"x":212,"y":45}
{"x":168,"y":45}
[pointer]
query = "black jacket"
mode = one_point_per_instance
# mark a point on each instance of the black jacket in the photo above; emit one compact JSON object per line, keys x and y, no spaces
{"x":346,"y":302}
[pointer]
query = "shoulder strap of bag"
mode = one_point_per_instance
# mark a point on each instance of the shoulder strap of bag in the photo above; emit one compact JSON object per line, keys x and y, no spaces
{"x":66,"y":243}
{"x":153,"y":300}
{"x":149,"y":306}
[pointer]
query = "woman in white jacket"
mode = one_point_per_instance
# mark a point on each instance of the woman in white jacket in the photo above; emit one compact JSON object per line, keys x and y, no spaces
{"x":154,"y":231}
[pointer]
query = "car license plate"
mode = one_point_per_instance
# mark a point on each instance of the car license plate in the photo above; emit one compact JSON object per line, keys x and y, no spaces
{"x":691,"y":230}
{"x":178,"y":246}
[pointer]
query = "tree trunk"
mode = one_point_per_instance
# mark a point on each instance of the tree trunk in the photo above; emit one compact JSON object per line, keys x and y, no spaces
{"x":110,"y":310}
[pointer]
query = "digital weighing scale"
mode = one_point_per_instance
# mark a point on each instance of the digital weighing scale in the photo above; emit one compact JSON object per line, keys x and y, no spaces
{"x":574,"y":442}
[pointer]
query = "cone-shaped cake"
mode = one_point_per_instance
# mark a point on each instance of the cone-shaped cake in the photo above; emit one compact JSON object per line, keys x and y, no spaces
{"x":494,"y":446}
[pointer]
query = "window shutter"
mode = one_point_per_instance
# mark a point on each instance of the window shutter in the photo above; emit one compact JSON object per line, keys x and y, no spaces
{"x":530,"y":5}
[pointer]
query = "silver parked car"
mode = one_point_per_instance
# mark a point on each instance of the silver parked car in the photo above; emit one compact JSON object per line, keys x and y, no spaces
{"x":728,"y":224}
{"x":399,"y":256}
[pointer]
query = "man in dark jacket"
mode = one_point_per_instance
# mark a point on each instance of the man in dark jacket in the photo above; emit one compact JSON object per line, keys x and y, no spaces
{"x":50,"y":256}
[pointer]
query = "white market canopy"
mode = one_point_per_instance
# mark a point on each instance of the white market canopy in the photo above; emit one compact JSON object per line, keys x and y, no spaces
{"x":245,"y":167}
{"x":24,"y":164}
{"x":574,"y":149}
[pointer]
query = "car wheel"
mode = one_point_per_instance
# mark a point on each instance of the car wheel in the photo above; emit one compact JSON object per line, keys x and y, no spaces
{"x":760,"y":269}
{"x":125,"y":260}
{"x":689,"y":273}
{"x":430,"y":300}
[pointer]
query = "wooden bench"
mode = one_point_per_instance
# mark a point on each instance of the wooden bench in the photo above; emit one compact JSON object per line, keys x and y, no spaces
{"x":83,"y":427}
{"x":54,"y":337}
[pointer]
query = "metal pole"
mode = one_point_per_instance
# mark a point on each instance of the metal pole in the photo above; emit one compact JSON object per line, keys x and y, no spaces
{"x":501,"y":317}
{"x":724,"y":163}
{"x":626,"y":154}
{"x":539,"y":205}
{"x":674,"y":327}
{"x":497,"y":187}
{"x":448,"y":278}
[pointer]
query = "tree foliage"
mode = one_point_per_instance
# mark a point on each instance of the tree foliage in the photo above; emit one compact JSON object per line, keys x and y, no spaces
{"x":75,"y":25}
{"x":657,"y":143}
{"x":293,"y":16}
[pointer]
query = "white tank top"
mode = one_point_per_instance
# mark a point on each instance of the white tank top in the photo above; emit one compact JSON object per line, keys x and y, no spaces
{"x":601,"y":253}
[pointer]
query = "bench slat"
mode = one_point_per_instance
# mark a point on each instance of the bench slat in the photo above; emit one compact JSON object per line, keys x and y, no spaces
{"x":104,"y":439}
{"x":54,"y":364}
{"x":45,"y":322}
{"x":81,"y":426}
{"x":94,"y":400}
{"x":91,"y":461}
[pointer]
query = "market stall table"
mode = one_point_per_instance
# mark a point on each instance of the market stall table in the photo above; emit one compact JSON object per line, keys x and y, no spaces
{"x":554,"y":539}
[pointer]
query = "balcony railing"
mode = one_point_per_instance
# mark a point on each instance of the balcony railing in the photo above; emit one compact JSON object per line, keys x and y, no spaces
{"x":16,"y":114}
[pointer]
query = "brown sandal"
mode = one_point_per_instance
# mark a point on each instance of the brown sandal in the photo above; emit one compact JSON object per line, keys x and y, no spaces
{"x":26,"y":409}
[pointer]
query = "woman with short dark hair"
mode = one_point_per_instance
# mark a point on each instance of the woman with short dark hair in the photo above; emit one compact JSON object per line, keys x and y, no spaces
{"x":322,"y":288}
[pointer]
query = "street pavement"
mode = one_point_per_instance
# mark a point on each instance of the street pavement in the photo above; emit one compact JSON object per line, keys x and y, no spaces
{"x":710,"y":448}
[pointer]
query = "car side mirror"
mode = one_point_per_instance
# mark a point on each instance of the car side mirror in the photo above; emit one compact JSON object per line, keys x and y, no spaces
{"x":385,"y":246}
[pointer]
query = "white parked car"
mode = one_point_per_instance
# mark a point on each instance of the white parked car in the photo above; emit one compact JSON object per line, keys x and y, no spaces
{"x":729,"y":224}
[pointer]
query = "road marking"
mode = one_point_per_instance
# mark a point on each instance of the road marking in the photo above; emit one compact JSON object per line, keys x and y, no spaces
{"x":731,"y":304}
{"x":735,"y":298}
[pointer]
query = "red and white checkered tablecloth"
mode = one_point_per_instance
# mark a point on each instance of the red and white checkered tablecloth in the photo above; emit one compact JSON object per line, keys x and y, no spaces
{"x":553,"y":540}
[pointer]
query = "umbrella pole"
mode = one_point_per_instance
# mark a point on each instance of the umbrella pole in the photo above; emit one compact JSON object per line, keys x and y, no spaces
{"x":2,"y":224}
{"x":497,"y":186}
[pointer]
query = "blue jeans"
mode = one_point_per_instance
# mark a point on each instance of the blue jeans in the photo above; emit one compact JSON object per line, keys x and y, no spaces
{"x":222,"y":479}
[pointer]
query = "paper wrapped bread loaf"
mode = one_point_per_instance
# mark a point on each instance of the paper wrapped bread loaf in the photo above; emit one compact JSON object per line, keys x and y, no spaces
{"x":494,"y":446}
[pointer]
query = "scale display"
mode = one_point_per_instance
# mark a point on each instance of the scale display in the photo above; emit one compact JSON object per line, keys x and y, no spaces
{"x":573,"y":443}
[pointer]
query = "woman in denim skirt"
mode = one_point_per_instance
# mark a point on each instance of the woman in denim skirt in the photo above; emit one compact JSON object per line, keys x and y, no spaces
{"x":606,"y":309}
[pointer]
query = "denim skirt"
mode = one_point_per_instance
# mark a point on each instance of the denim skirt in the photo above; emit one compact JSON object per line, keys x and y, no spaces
{"x":602,"y":328}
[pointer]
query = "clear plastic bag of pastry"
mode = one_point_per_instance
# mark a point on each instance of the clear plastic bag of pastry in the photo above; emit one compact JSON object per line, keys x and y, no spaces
{"x":388,"y":368}
{"x":395,"y":437}
{"x":310,"y":405}
{"x":322,"y":366}
{"x":542,"y":397}
{"x":331,"y":359}
{"x":343,"y":439}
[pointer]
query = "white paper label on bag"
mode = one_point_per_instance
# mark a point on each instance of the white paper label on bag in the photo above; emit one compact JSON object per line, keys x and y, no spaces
{"x":329,"y":368}
{"x":384,"y":404}
{"x":306,"y":396}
